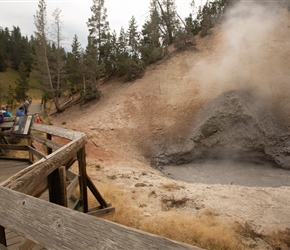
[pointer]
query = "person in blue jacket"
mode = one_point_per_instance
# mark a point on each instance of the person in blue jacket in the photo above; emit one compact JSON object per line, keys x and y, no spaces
{"x":20,"y":111}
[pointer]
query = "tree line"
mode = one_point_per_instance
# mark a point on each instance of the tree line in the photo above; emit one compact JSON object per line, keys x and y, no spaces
{"x":107,"y":54}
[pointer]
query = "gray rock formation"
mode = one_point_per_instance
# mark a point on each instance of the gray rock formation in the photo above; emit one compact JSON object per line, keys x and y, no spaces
{"x":236,"y":126}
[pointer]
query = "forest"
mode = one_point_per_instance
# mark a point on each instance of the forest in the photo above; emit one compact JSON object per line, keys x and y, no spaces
{"x":107,"y":54}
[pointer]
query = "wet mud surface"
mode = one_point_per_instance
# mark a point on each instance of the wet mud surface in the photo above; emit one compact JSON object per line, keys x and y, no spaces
{"x":229,"y":172}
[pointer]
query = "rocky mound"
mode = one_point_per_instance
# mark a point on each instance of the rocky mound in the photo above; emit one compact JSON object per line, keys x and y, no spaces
{"x":235,"y":125}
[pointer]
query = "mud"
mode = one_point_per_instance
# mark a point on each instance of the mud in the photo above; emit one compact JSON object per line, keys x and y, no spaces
{"x":235,"y":125}
{"x":229,"y":173}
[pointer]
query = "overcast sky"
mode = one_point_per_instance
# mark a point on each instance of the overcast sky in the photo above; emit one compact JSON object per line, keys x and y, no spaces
{"x":75,"y":14}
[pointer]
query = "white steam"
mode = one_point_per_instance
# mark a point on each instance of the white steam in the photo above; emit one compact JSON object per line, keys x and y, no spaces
{"x":250,"y":51}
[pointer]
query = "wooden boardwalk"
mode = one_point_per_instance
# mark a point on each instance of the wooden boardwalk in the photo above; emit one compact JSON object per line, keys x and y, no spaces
{"x":10,"y":167}
{"x":7,"y":169}
{"x":35,"y":108}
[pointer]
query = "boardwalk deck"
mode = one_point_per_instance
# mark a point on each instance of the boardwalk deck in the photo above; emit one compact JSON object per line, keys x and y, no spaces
{"x":35,"y":108}
{"x":10,"y":167}
{"x":7,"y":169}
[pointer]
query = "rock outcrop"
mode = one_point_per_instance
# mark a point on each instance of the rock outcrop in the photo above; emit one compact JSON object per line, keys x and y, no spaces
{"x":237,"y":126}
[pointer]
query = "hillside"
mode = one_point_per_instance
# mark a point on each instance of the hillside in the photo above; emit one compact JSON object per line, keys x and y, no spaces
{"x":135,"y":122}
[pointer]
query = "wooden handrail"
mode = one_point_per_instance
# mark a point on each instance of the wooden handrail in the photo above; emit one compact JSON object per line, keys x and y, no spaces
{"x":56,"y":227}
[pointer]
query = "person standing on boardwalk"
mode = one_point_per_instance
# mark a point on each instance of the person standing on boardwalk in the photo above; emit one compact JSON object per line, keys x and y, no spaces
{"x":20,"y":111}
{"x":8,"y":112}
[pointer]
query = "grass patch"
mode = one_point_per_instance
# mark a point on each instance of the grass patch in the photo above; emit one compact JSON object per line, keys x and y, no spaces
{"x":204,"y":229}
{"x":280,"y":239}
{"x":172,"y":186}
{"x":172,"y":202}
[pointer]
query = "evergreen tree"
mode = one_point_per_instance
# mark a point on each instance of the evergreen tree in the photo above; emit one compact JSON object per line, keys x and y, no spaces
{"x":4,"y":39}
{"x":75,"y":65}
{"x":133,"y":38}
{"x":22,"y":83}
{"x":92,"y":72}
{"x":122,"y":53}
{"x":15,"y":42}
{"x":112,"y":50}
{"x":99,"y":28}
{"x":11,"y":96}
{"x":151,"y":49}
{"x":169,"y":22}
{"x":108,"y":54}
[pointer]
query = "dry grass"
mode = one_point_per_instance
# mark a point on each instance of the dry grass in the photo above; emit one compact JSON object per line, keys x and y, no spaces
{"x":279,"y":239}
{"x":171,"y":186}
{"x":201,"y":227}
{"x":173,"y":202}
{"x":204,"y":229}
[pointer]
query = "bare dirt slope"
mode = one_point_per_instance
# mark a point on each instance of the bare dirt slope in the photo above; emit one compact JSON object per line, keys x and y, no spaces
{"x":249,"y":50}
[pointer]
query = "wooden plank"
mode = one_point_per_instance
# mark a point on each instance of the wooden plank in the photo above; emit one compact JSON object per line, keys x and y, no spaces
{"x":48,"y":143}
{"x":6,"y":125}
{"x":57,"y":186}
{"x":35,"y":152}
{"x":61,"y":132}
{"x":83,"y":179}
{"x":72,"y":186}
{"x":26,"y":245}
{"x":63,"y":228}
{"x":21,"y":173}
{"x":14,"y":147}
{"x":48,"y":149}
{"x":10,"y":167}
{"x":96,"y":193}
{"x":27,"y":182}
{"x":100,"y":211}
{"x":2,"y":236}
{"x":9,"y":119}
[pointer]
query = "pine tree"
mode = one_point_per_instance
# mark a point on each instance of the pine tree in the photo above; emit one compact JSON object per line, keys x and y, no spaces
{"x":92,"y":72}
{"x":22,"y":83}
{"x":99,"y":28}
{"x":75,"y":65}
{"x":121,"y":53}
{"x":151,"y":49}
{"x":133,"y":38}
{"x":169,"y":22}
{"x":4,"y":40}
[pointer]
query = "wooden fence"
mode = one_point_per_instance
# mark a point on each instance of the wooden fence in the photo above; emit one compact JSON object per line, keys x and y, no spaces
{"x":59,"y":227}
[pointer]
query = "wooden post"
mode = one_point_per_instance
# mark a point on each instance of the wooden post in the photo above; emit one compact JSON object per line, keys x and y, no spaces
{"x":31,"y":157}
{"x":48,"y":150}
{"x":57,"y":186}
{"x":2,"y":237}
{"x":83,"y":179}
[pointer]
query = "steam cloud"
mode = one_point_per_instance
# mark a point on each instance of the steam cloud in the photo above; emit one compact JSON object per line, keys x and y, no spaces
{"x":249,"y":51}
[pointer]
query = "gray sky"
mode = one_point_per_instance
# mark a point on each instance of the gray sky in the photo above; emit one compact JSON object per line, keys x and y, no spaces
{"x":75,"y":14}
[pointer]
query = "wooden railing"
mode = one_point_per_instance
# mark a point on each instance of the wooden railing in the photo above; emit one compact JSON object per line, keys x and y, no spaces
{"x":59,"y":227}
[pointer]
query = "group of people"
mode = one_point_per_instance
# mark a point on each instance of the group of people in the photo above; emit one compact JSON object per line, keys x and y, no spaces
{"x":23,"y":108}
{"x":4,"y":112}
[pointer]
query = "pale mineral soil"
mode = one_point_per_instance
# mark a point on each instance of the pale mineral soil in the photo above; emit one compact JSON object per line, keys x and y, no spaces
{"x":131,"y":118}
